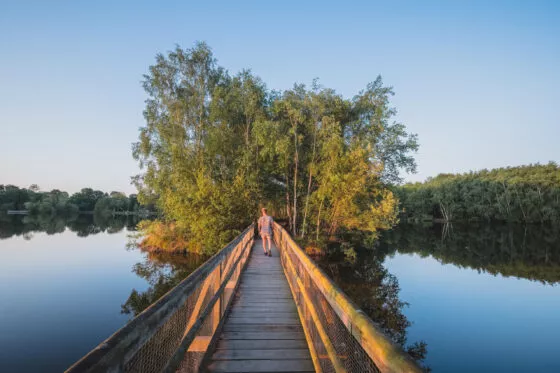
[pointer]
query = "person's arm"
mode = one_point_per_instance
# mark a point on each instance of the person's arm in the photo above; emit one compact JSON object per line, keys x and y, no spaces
{"x":259,"y":224}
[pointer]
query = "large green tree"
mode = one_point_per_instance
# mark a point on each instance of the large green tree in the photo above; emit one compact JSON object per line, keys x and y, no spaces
{"x":197,"y":146}
{"x":217,"y":146}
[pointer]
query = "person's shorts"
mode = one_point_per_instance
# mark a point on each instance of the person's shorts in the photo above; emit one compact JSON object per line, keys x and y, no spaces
{"x":265,"y":235}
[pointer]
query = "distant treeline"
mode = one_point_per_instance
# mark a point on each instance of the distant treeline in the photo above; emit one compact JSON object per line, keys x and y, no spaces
{"x":60,"y":203}
{"x":529,"y":194}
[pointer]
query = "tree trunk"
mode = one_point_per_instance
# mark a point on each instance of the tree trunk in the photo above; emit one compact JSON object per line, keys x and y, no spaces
{"x":444,"y":212}
{"x":288,"y":211}
{"x":334,"y":221}
{"x":319,"y":219}
{"x":296,"y":162}
{"x":508,"y":202}
{"x":521,"y":206}
{"x":303,"y":228}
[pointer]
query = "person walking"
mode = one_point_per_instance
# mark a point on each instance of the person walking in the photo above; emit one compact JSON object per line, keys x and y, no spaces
{"x":265,"y":230}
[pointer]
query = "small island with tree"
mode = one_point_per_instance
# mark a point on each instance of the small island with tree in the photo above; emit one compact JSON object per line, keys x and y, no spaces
{"x":217,"y":146}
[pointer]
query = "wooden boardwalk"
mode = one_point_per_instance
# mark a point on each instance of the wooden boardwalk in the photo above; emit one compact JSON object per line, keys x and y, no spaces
{"x":263,"y":332}
{"x":202,"y":326}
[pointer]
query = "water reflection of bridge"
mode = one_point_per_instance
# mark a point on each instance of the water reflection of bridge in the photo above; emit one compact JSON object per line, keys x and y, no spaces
{"x":244,"y":312}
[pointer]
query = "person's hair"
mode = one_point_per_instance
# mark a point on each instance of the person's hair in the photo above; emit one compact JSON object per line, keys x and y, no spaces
{"x":264,"y":210}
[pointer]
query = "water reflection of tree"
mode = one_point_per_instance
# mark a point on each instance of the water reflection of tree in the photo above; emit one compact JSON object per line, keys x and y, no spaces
{"x":376,"y":292}
{"x":524,"y":251}
{"x":11,"y":225}
{"x":162,"y":271}
{"x":83,"y":225}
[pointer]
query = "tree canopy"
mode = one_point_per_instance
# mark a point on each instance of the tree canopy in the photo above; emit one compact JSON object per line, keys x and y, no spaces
{"x":216,"y":146}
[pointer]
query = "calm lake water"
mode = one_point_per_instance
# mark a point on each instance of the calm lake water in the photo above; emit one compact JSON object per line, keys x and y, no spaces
{"x":480,"y":298}
{"x":468,"y":298}
{"x":66,"y":286}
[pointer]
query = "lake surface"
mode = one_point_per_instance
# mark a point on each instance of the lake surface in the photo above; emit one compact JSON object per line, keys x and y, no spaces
{"x":480,"y":298}
{"x":67,"y":286}
{"x":468,"y":298}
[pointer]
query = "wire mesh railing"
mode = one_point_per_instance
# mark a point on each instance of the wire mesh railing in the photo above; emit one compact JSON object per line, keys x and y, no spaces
{"x":341,"y":337}
{"x":173,"y":334}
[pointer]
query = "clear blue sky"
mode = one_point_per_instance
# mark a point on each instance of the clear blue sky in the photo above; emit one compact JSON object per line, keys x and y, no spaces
{"x":479,"y":81}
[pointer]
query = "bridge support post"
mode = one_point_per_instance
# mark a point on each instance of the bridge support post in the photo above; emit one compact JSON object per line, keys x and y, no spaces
{"x":217,"y":311}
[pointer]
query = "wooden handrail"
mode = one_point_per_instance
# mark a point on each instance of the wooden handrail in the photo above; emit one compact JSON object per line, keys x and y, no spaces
{"x":190,"y":335}
{"x":306,"y":331}
{"x":338,"y":367}
{"x":110,"y":355}
{"x":387,"y":356}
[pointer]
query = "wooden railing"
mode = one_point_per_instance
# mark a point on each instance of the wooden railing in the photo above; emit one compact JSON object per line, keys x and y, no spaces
{"x":174,"y":333}
{"x":340,"y":336}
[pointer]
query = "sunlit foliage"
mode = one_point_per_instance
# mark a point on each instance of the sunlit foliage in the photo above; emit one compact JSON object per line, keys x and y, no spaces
{"x":216,"y":146}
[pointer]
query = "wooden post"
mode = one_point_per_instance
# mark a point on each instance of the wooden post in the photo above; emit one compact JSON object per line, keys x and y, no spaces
{"x":216,"y":312}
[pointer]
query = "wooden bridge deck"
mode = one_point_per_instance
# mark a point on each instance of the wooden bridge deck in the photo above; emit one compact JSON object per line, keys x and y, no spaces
{"x":263,"y":332}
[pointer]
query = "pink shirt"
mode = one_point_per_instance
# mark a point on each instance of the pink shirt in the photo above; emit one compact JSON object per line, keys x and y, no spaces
{"x":265,"y":222}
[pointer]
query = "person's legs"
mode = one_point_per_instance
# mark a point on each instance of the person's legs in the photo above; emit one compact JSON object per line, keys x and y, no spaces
{"x":263,"y":237}
{"x":269,"y":245}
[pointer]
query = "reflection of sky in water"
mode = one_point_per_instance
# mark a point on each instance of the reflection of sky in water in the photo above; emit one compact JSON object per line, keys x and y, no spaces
{"x":479,"y":322}
{"x":60,"y":296}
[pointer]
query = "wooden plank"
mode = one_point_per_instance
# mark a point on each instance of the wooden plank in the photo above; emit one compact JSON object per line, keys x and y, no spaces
{"x":265,"y":318}
{"x":248,"y":311}
{"x":240,"y":299}
{"x":250,"y":366}
{"x":264,"y":303}
{"x":257,"y":328}
{"x":258,"y":266}
{"x":256,"y":307}
{"x":281,"y":310}
{"x":260,"y":291}
{"x":273,"y":344}
{"x":280,"y":354}
{"x":256,"y":272}
{"x":293,"y":320}
{"x":263,"y":311}
{"x":264,"y":297}
{"x":264,"y":278}
{"x":267,"y":296}
{"x":264,"y":335}
{"x":264,"y":289}
{"x":264,"y":273}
